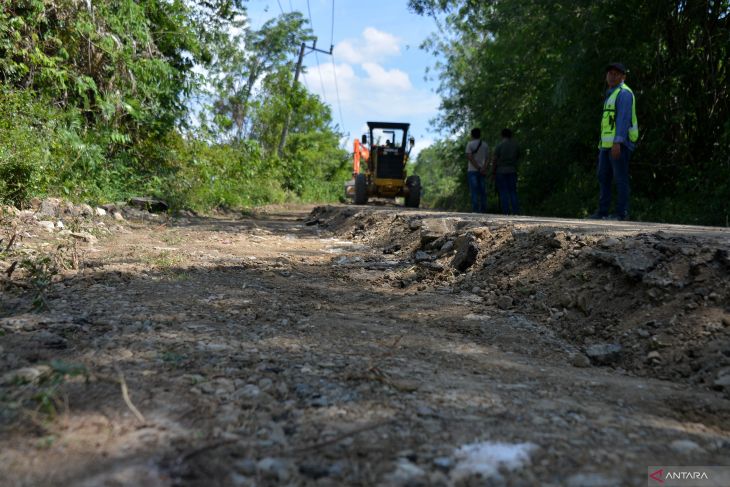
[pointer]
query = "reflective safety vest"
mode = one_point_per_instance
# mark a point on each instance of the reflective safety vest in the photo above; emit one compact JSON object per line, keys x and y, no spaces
{"x":608,"y":123}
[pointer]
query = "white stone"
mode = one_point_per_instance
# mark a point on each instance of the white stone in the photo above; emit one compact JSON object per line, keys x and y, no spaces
{"x":46,"y":225}
{"x":84,"y":236}
{"x":406,"y":472}
{"x":486,"y":458}
{"x":685,"y":446}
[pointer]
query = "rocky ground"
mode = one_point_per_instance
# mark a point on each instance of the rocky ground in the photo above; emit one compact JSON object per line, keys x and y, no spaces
{"x":350,"y":345}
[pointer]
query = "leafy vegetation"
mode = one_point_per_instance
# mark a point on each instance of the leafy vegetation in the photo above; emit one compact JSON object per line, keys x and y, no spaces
{"x":96,"y":104}
{"x":537,"y":67}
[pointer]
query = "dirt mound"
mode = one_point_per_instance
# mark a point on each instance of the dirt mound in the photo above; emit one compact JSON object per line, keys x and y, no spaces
{"x":654,"y":304}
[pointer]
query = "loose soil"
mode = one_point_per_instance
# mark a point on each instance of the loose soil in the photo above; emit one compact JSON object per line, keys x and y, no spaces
{"x":346,"y":345}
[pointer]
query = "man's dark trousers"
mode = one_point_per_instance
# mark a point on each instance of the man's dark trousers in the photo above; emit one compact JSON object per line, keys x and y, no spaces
{"x":617,"y":170}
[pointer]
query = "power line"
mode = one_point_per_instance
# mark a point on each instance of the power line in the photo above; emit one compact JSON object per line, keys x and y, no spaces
{"x":310,"y":15}
{"x":334,"y":69}
{"x":282,"y":10}
{"x":316,"y":57}
{"x":337,"y":92}
{"x":321,"y":79}
{"x":332,"y":31}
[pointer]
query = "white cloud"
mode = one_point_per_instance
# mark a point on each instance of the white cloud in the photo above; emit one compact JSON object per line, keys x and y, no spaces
{"x":387,"y":79}
{"x":374,"y":93}
{"x":369,"y":88}
{"x":374,"y":45}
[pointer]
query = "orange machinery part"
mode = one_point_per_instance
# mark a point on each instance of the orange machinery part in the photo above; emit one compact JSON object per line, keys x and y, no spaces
{"x":360,"y":151}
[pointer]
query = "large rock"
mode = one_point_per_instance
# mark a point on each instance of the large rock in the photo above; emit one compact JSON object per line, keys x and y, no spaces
{"x":68,"y":209}
{"x":50,"y":207}
{"x":435,"y":244}
{"x":432,"y":229}
{"x":722,"y":381}
{"x":9,"y":210}
{"x":557,"y":240}
{"x":467,"y":251}
{"x":505,"y":302}
{"x":604,"y":353}
{"x":46,"y":225}
{"x":149,"y":204}
{"x":85,"y":210}
{"x":84,"y":237}
{"x":579,"y":360}
{"x":634,"y":263}
{"x":422,"y":256}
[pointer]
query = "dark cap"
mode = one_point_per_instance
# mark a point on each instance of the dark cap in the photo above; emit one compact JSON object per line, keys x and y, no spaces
{"x":617,"y":67}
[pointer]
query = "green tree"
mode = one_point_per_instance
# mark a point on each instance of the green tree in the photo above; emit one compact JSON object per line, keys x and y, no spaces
{"x":242,"y":61}
{"x":442,"y":169}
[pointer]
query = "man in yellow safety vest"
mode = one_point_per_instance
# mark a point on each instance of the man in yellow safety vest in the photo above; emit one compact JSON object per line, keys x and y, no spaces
{"x":619,"y":133}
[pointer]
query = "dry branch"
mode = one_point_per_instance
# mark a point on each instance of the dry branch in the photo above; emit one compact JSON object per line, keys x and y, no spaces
{"x":125,"y":395}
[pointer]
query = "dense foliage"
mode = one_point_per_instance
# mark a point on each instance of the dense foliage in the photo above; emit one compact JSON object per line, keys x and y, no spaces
{"x":538,"y":67}
{"x":96,"y":104}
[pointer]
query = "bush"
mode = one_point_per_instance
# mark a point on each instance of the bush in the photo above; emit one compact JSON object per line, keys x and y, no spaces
{"x":221,"y":176}
{"x":25,"y":135}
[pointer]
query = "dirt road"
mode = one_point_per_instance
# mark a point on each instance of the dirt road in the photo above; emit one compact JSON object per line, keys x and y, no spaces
{"x":360,"y":346}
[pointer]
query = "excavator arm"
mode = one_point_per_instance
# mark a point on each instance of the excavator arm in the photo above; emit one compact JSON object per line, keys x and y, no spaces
{"x":360,"y":151}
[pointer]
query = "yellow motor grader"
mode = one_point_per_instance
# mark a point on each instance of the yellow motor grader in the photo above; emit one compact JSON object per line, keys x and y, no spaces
{"x":383,"y":174}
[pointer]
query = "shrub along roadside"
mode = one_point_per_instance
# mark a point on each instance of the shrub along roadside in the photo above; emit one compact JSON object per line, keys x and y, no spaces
{"x":48,"y":152}
{"x":26,"y":133}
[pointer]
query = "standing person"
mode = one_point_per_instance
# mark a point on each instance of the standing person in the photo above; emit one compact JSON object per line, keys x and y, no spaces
{"x":619,"y":133}
{"x":476,"y":153}
{"x":506,"y":157}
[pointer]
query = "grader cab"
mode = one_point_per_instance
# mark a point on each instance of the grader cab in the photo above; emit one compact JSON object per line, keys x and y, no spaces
{"x":384,"y":152}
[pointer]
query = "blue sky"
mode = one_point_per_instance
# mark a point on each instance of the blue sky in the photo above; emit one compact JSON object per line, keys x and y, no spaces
{"x":378,"y":65}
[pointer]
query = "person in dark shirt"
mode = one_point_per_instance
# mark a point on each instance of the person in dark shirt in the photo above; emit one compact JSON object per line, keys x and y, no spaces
{"x":506,"y":158}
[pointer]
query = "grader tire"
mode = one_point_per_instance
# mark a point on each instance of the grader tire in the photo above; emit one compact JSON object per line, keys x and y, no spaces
{"x":361,"y":190}
{"x":413,"y":200}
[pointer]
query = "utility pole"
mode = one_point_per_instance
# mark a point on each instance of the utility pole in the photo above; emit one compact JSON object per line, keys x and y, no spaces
{"x":312,"y":48}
